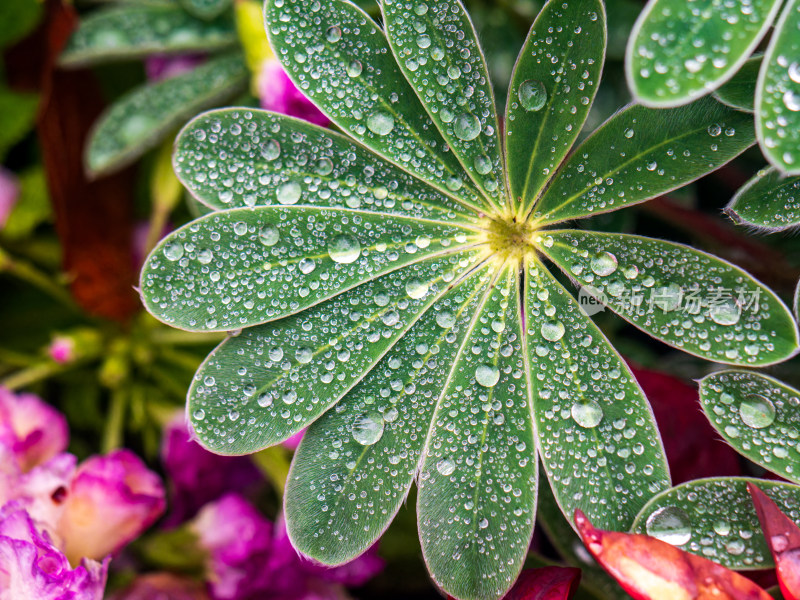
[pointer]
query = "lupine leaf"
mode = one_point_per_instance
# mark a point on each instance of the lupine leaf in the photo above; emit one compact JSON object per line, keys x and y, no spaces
{"x":205,"y":9}
{"x":740,"y":91}
{"x":681,"y":296}
{"x":138,"y":120}
{"x":340,"y":59}
{"x":133,"y":31}
{"x":758,"y":416}
{"x":356,"y":464}
{"x":783,"y":537}
{"x":778,"y":94}
{"x":650,"y":569}
{"x":583,"y":396}
{"x":679,"y":51}
{"x":688,"y":516}
{"x":640,"y":153}
{"x":278,"y":261}
{"x":272,"y":153}
{"x":477,"y":480}
{"x":437,"y":49}
{"x":552,"y":89}
{"x":769,"y":200}
{"x":297,"y":367}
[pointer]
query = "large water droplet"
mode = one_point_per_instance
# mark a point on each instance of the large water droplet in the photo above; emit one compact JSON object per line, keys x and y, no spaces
{"x":487,"y":375}
{"x":553,"y":330}
{"x":757,"y":411}
{"x":532,"y":95}
{"x":466,"y":127}
{"x":380,"y":123}
{"x":445,"y":319}
{"x":289,"y":193}
{"x":306,"y":265}
{"x":269,"y":235}
{"x":344,"y":249}
{"x":727,"y":312}
{"x":417,"y":288}
{"x":270,"y":150}
{"x":368,"y":428}
{"x":174,"y":251}
{"x":670,"y":524}
{"x":587,"y":413}
{"x":354,"y":68}
{"x":446,"y":466}
{"x":603,"y":264}
{"x":333,"y":34}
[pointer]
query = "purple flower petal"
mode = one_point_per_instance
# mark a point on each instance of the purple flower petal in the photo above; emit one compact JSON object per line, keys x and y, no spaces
{"x":9,"y":193}
{"x":31,"y":431}
{"x":279,"y":94}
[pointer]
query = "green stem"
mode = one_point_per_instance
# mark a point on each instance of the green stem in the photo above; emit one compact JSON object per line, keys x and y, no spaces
{"x":28,"y":273}
{"x":176,"y":337}
{"x":34,"y":374}
{"x":112,"y":436}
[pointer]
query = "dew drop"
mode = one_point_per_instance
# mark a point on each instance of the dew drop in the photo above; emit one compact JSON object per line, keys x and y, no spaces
{"x":487,"y":375}
{"x":306,"y":265}
{"x":205,"y":256}
{"x":368,"y":428}
{"x":417,"y":288}
{"x":173,"y":251}
{"x":269,"y":235}
{"x":757,"y":411}
{"x":532,"y":95}
{"x":380,"y":123}
{"x":552,"y":330}
{"x":603,"y":264}
{"x":587,"y":413}
{"x":670,"y":524}
{"x":445,"y":319}
{"x":270,"y":150}
{"x":446,"y":466}
{"x":289,"y":193}
{"x":344,"y":249}
{"x":355,"y":68}
{"x":333,"y":34}
{"x":466,"y":127}
{"x":727,"y":312}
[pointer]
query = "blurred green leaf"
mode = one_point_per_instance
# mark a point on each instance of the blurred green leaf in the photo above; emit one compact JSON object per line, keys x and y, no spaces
{"x":17,"y":116}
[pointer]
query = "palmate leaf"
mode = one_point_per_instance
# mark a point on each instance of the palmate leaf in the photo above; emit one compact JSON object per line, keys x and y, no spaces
{"x":740,"y":91}
{"x":341,"y":60}
{"x":688,"y":516}
{"x":260,"y":159}
{"x":298,"y":367}
{"x":778,"y":94}
{"x":552,"y":89}
{"x":132,"y":31}
{"x":359,"y":460}
{"x":437,"y":49}
{"x":679,"y":51}
{"x":681,"y":296}
{"x":245,"y":266}
{"x":141,"y":118}
{"x":758,"y":416}
{"x":640,"y":153}
{"x":477,"y":480}
{"x":770,"y":201}
{"x":593,"y":423}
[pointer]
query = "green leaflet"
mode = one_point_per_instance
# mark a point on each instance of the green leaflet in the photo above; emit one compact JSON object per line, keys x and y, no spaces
{"x":139,"y":120}
{"x":584,"y":395}
{"x":681,"y":296}
{"x":770,"y":200}
{"x":271,"y":155}
{"x":640,"y":153}
{"x":477,"y":480}
{"x":355,"y":465}
{"x":246,"y":266}
{"x":551,"y":92}
{"x":17,"y":117}
{"x":205,"y":9}
{"x":129,"y":31}
{"x":778,"y":94}
{"x":340,"y":59}
{"x":689,"y":516}
{"x":437,"y":49}
{"x":740,"y":91}
{"x":679,"y":51}
{"x":758,"y":416}
{"x":298,"y":367}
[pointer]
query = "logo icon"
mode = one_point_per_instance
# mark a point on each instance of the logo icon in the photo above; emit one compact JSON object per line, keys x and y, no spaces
{"x":591,"y":301}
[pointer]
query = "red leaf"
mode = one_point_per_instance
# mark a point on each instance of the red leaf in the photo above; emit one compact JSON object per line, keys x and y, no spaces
{"x":545,"y":583}
{"x":783,"y":539}
{"x":649,"y":569}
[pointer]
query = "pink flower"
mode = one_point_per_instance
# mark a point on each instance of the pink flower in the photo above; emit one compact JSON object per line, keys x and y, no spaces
{"x":293,"y":442}
{"x":164,"y":66}
{"x":249,"y":558}
{"x":61,"y":349}
{"x":279,"y":94}
{"x":31,"y":431}
{"x":9,"y":192}
{"x":32,"y":568}
{"x":110,"y":501}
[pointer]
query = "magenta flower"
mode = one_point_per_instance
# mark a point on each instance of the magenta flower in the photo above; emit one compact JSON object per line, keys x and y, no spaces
{"x":251,"y":558}
{"x":197,"y":476}
{"x":277,"y":93}
{"x":32,"y":568}
{"x":110,"y":501}
{"x":61,"y":349}
{"x":9,"y":192}
{"x":31,"y":431}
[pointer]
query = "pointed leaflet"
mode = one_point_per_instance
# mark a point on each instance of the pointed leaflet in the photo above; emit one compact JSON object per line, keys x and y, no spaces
{"x":778,"y":94}
{"x":246,"y":266}
{"x":783,"y":537}
{"x":132,"y":31}
{"x":715,"y":518}
{"x":679,"y":51}
{"x":681,"y":296}
{"x":769,"y":200}
{"x":355,"y":465}
{"x":340,"y":59}
{"x":640,"y":153}
{"x":758,"y":416}
{"x":137,"y":121}
{"x":269,"y":382}
{"x":258,"y":157}
{"x":594,"y":426}
{"x":437,"y":49}
{"x":477,"y":481}
{"x":552,"y":89}
{"x":740,"y":91}
{"x":650,"y":569}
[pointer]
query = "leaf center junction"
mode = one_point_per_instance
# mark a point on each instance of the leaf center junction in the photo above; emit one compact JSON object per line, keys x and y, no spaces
{"x":509,"y":238}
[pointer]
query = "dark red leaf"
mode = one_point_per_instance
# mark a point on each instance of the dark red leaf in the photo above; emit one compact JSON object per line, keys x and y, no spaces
{"x":783,"y":538}
{"x":649,"y":569}
{"x":545,"y":583}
